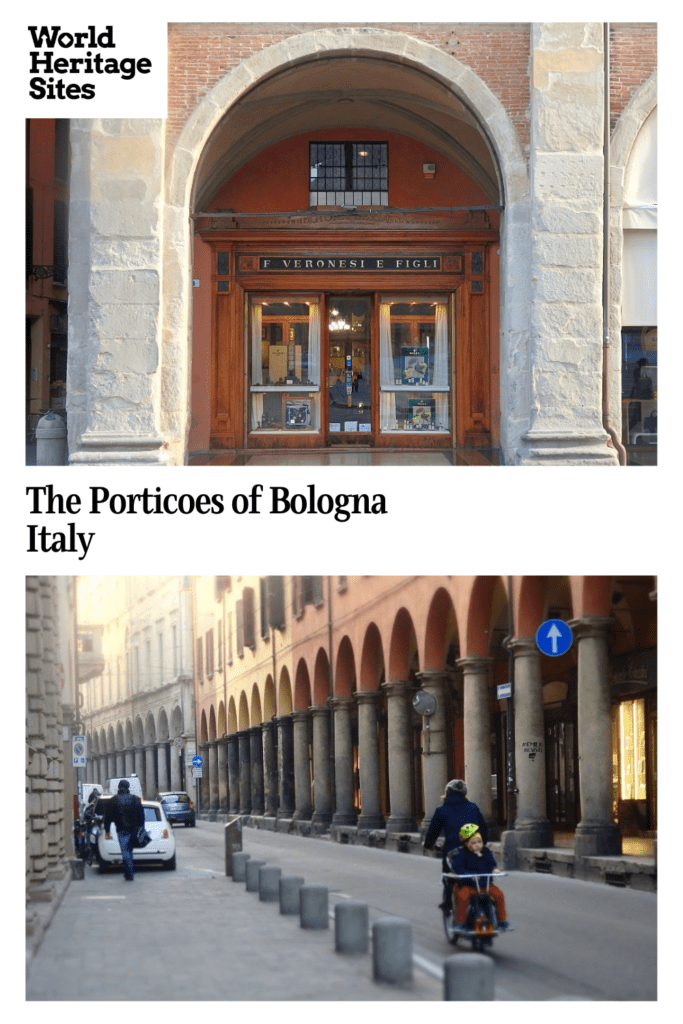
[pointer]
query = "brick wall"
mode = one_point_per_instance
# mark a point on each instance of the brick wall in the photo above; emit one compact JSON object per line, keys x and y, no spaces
{"x":633,"y":58}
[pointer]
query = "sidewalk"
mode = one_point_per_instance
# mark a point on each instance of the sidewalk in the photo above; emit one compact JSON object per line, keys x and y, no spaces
{"x":195,"y":935}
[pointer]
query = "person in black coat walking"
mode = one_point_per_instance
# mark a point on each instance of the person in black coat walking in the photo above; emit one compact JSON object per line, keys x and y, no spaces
{"x":455,"y":811}
{"x":128,"y":814}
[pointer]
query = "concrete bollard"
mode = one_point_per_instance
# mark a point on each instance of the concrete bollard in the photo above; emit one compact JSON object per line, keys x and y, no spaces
{"x":290,"y":898}
{"x":314,"y":906}
{"x":392,"y":950}
{"x":253,"y":868}
{"x":239,"y":866}
{"x":351,"y":927}
{"x":468,"y":978}
{"x":51,"y":441}
{"x":269,"y":884}
{"x":77,"y":869}
{"x":233,"y":842}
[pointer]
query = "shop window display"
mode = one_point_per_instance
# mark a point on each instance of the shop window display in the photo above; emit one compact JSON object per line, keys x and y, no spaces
{"x":639,"y":393}
{"x":414,"y":342}
{"x":285,"y":364}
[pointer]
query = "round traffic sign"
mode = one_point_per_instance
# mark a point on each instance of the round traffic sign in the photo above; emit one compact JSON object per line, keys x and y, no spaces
{"x":554,"y":637}
{"x":197,"y":761}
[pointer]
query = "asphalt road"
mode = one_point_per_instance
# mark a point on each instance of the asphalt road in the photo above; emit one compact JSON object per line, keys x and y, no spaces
{"x":572,"y":939}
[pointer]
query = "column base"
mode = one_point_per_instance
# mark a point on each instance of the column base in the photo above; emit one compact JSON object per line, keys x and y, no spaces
{"x":597,"y":841}
{"x":322,"y":819}
{"x":566,"y":448}
{"x":405,"y":824}
{"x":370,"y":821}
{"x":116,"y":448}
{"x":344,"y":818}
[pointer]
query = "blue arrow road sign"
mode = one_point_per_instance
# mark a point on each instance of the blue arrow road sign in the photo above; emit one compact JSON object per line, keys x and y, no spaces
{"x":197,"y":761}
{"x":554,"y":637}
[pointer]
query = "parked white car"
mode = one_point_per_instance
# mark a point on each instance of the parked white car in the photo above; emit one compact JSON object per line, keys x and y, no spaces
{"x":160,"y":850}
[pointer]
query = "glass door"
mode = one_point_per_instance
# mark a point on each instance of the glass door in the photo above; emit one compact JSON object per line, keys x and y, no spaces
{"x":349,"y":383}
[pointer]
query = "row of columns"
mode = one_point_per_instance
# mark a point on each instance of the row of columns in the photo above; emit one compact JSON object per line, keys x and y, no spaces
{"x":149,"y":762}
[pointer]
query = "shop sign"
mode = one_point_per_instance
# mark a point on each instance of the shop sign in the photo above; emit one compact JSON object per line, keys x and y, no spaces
{"x":353,"y":263}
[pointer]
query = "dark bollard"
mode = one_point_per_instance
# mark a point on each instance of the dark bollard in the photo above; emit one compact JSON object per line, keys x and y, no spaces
{"x":233,"y":842}
{"x":468,"y":978}
{"x":351,"y":927}
{"x":392,"y":950}
{"x":314,"y":906}
{"x":269,"y":884}
{"x":239,"y":866}
{"x":253,"y":868}
{"x":290,"y":890}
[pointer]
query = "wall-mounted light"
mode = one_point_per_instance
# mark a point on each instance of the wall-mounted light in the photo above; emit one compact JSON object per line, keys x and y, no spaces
{"x":429,"y":170}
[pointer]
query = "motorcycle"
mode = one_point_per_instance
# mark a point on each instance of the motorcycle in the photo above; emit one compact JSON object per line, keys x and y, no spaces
{"x":481,"y":922}
{"x":85,"y":839}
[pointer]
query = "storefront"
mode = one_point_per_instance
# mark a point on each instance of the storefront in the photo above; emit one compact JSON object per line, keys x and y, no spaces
{"x":321,"y":340}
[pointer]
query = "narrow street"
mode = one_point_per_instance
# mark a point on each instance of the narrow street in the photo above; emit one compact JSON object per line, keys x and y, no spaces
{"x":572,"y":940}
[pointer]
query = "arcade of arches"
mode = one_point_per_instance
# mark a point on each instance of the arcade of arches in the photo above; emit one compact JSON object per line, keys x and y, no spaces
{"x":332,"y":740}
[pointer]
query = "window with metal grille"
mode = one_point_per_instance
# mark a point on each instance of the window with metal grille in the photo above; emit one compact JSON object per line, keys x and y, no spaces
{"x":348,"y":174}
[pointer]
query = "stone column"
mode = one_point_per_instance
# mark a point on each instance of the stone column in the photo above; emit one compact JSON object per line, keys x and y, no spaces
{"x":139,"y":755}
{"x":245,"y":771}
{"x":596,"y":834}
{"x":120,"y":763}
{"x":128,"y":761}
{"x":285,"y":766}
{"x":566,"y":110}
{"x":345,"y":813}
{"x":434,"y":746}
{"x":256,"y":761}
{"x":269,"y":769}
{"x":150,"y":787}
{"x":322,"y":775}
{"x":302,"y":772}
{"x":532,"y":828}
{"x":233,"y":774}
{"x":222,"y":753}
{"x":213,"y":779}
{"x":204,"y":785}
{"x":115,"y":296}
{"x":176,"y":757}
{"x":162,"y":766}
{"x":368,"y":760}
{"x":477,"y":732}
{"x":400,"y":746}
{"x":111,"y":766}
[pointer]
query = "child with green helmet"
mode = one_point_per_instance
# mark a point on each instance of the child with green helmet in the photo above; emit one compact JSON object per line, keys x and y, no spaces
{"x":472,"y":858}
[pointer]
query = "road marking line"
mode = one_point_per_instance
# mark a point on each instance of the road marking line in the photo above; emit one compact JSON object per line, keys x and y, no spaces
{"x":103,"y":897}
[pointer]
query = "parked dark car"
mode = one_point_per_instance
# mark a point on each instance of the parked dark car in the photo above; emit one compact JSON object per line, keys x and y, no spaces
{"x":178,"y":808}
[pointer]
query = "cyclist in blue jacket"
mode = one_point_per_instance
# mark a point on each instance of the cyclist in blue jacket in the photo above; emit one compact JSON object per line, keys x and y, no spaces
{"x":455,"y":811}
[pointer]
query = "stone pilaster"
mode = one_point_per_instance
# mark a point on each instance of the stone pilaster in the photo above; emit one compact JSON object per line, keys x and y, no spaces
{"x":128,"y":761}
{"x":400,"y":746}
{"x":567,"y":81}
{"x":477,"y":732}
{"x":120,"y":764}
{"x":345,"y":812}
{"x":368,"y":760}
{"x":204,"y":785}
{"x":596,"y":834}
{"x":115,"y":291}
{"x":150,"y":787}
{"x":176,"y":757}
{"x":213,"y":779}
{"x":162,"y":766}
{"x":322,"y":775}
{"x":434,"y":746}
{"x":285,"y":766}
{"x":139,"y":757}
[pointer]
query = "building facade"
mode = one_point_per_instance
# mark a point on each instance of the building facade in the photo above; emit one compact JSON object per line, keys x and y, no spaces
{"x":51,"y":720}
{"x":433,"y":237}
{"x":137,"y":679}
{"x":310,"y":719}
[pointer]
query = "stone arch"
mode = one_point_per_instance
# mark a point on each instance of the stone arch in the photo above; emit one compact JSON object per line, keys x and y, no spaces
{"x":321,"y":678}
{"x":203,"y":729}
{"x":440,"y":629}
{"x":487,"y":598}
{"x":345,"y":669}
{"x":150,"y":729}
{"x":372,"y":660}
{"x":285,"y":704}
{"x":177,"y":725}
{"x":221,"y":724}
{"x":302,"y":687}
{"x":243,"y":720}
{"x":212,"y":723}
{"x":269,"y":702}
{"x":489,"y":114}
{"x":163,"y":730}
{"x":232,"y":716}
{"x":256,"y":713}
{"x":403,"y":649}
